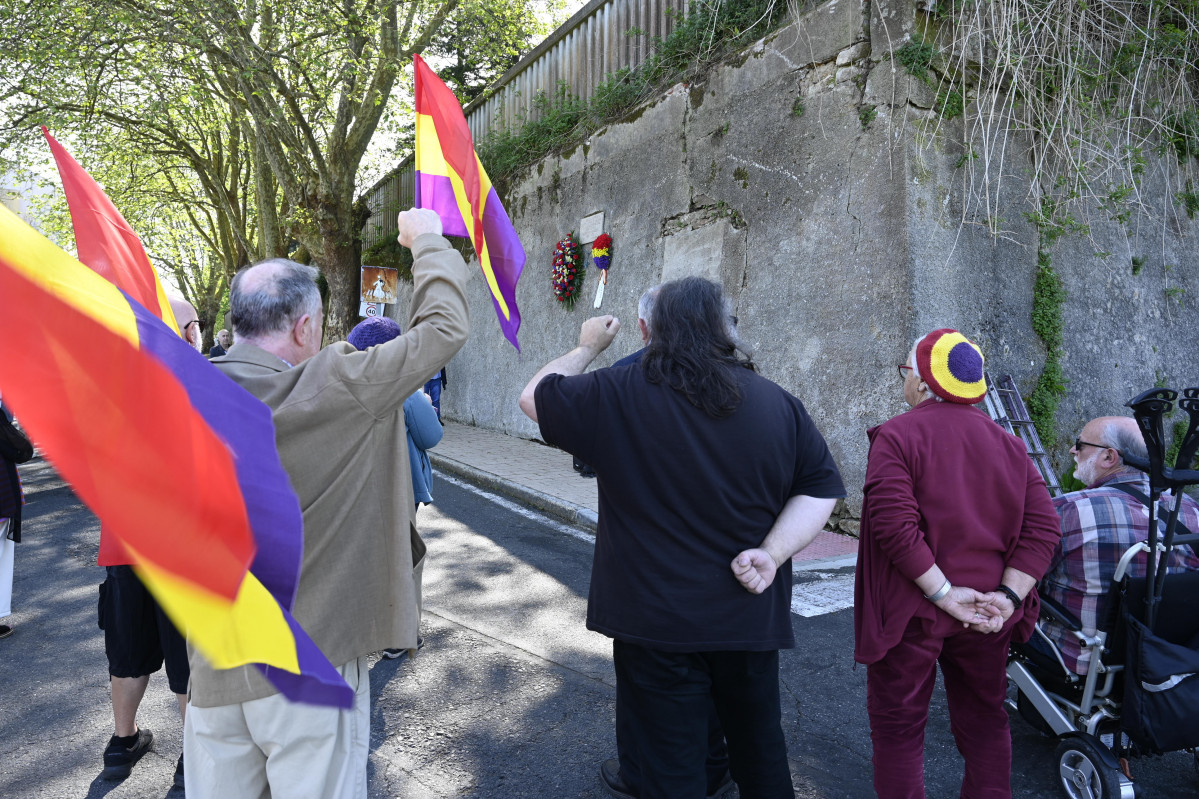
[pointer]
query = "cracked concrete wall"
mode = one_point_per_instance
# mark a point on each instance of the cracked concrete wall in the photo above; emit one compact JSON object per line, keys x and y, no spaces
{"x":837,"y":233}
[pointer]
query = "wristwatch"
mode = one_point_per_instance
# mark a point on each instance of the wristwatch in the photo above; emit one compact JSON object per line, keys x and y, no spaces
{"x":1012,"y":595}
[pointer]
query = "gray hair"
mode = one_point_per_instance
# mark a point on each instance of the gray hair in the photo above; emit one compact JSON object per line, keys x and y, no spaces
{"x":645,"y":306}
{"x":1125,"y":440}
{"x":645,"y":312}
{"x":272,"y":304}
{"x":916,"y":369}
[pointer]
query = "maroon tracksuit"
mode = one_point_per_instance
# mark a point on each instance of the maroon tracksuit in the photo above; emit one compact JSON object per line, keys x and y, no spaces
{"x":944,"y":485}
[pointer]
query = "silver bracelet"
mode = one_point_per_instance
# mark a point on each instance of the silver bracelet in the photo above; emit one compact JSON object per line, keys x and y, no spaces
{"x":941,"y":592}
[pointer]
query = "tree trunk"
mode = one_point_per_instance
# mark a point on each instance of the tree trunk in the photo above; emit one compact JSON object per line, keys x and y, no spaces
{"x":340,"y":265}
{"x":338,"y":253}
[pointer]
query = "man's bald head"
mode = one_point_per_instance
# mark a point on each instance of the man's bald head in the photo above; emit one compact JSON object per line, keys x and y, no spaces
{"x":266,"y":298}
{"x":1119,"y":432}
{"x":187,"y":320}
{"x":1098,"y":450}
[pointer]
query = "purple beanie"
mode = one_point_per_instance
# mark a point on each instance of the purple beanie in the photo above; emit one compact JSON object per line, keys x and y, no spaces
{"x":369,"y":332}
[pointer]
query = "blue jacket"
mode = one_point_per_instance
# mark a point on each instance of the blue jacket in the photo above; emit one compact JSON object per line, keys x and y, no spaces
{"x":424,"y":431}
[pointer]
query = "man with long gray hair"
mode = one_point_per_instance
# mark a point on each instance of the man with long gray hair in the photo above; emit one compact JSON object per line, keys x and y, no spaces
{"x":711,"y":479}
{"x":338,"y":431}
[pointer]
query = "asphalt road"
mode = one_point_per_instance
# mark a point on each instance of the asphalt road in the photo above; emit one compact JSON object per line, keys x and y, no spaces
{"x":510,"y":696}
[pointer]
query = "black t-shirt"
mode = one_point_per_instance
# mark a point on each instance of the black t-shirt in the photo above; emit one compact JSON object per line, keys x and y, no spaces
{"x":680,"y":494}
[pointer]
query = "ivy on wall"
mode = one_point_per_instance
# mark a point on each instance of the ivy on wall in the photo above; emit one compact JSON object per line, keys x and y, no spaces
{"x":1049,"y":295}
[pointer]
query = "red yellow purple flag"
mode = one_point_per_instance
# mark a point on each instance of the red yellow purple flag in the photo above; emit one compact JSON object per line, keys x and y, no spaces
{"x":104,"y":240}
{"x":177,"y":460}
{"x":451,"y":181}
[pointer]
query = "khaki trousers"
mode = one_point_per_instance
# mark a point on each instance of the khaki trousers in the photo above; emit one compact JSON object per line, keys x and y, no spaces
{"x":275,"y":748}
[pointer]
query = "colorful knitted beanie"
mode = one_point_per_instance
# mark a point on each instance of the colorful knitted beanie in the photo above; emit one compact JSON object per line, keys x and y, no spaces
{"x":372,"y":331}
{"x":952,"y":365}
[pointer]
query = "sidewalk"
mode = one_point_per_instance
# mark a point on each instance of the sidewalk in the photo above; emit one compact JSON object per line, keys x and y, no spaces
{"x":541,"y":476}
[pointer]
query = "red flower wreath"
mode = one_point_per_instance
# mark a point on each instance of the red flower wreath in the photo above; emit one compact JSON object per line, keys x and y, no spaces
{"x":567,"y":275}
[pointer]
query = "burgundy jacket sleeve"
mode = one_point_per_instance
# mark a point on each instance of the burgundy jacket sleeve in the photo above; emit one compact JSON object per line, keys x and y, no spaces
{"x":894,"y":514}
{"x":1040,"y":532}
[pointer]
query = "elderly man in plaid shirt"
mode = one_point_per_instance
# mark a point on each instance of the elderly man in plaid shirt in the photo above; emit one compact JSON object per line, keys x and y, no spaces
{"x":1098,"y":525}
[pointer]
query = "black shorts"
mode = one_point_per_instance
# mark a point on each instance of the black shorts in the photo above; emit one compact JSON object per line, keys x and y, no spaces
{"x":138,"y":636}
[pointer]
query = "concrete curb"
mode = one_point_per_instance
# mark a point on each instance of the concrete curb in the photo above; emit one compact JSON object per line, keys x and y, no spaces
{"x":554,"y":506}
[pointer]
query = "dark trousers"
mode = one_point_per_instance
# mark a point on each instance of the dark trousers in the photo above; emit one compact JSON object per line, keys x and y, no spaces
{"x":664,"y":703}
{"x":898,"y":690}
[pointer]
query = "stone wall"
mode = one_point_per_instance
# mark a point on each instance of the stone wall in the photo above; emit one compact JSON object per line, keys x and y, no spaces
{"x":839,"y":242}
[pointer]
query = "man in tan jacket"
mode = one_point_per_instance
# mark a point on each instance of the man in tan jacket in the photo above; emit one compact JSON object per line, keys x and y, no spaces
{"x":341,"y":440}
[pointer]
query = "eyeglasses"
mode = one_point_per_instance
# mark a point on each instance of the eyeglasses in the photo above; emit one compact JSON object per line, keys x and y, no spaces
{"x":1079,"y":444}
{"x":199,"y":325}
{"x":903,"y":371}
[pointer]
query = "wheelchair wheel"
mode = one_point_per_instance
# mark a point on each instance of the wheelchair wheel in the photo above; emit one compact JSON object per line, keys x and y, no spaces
{"x":1086,"y":771}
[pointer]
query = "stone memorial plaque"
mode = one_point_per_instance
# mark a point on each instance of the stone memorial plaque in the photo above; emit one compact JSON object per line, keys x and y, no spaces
{"x":590,"y":227}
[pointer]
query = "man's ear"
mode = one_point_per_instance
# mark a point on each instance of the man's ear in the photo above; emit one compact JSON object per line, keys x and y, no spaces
{"x":644,"y":331}
{"x":299,"y":330}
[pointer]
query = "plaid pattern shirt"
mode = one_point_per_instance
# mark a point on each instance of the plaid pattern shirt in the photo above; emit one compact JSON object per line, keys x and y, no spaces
{"x":1098,"y":525}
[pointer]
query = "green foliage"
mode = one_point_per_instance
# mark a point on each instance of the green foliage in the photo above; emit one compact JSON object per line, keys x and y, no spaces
{"x":386,"y":251}
{"x":481,"y":39}
{"x":1175,"y":293}
{"x":1182,"y":133}
{"x":614,"y":96}
{"x":1094,"y":86}
{"x":1178,"y":430}
{"x":866,"y":115}
{"x":1045,"y":398}
{"x":950,"y":103}
{"x":257,"y":115}
{"x":1053,"y":222}
{"x":1138,"y":263}
{"x":797,"y":107}
{"x":1049,"y":295}
{"x":712,"y":30}
{"x":917,"y":58}
{"x":1189,"y":200}
{"x":1068,"y":481}
{"x":1116,"y":201}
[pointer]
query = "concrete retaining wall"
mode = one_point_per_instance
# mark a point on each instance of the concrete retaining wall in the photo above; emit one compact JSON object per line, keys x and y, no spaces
{"x":838,"y":243}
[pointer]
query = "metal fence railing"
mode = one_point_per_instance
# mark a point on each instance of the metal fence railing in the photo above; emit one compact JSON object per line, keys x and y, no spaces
{"x":592,"y":44}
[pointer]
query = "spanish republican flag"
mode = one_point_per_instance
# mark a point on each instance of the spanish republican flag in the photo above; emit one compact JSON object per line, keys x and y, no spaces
{"x":105,"y":241}
{"x":451,"y":181}
{"x":176,"y":460}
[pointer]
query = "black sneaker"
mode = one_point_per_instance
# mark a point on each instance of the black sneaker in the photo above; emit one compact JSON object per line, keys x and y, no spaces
{"x":179,"y":772}
{"x":119,"y":759}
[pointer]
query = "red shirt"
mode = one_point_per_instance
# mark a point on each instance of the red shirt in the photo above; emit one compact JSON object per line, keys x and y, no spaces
{"x":946,"y":485}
